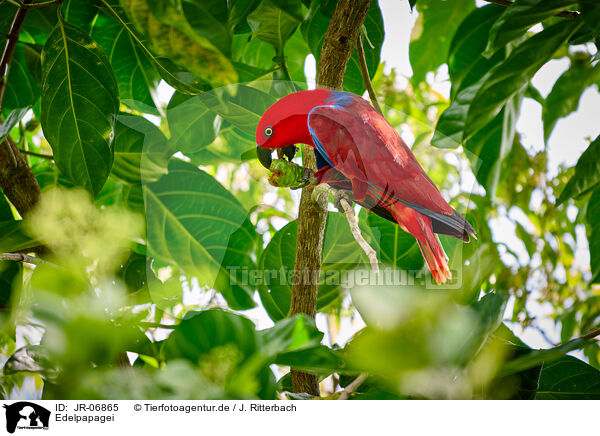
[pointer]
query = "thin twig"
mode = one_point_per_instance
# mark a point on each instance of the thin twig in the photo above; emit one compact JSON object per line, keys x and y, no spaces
{"x":40,"y":155}
{"x":365,"y":74}
{"x":351,"y":217}
{"x":563,"y":14}
{"x":157,"y":325}
{"x":20,"y":257}
{"x":345,"y":394}
{"x":592,"y":334}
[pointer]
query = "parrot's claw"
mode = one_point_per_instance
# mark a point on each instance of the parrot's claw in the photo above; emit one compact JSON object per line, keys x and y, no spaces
{"x":307,"y":179}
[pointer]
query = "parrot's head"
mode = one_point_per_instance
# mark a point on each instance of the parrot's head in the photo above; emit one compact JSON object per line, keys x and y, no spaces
{"x":285,"y":123}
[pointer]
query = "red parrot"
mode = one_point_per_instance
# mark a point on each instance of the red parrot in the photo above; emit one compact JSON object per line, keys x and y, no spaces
{"x":356,"y":148}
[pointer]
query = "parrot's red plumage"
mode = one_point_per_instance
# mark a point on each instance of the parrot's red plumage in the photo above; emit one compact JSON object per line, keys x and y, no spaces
{"x":358,"y":149}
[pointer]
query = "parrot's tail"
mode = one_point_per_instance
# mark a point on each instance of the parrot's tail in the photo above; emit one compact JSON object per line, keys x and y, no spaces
{"x":420,"y":227}
{"x":436,"y":258}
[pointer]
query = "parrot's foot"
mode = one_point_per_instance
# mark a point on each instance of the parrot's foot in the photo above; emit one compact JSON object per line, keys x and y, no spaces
{"x":342,"y":194}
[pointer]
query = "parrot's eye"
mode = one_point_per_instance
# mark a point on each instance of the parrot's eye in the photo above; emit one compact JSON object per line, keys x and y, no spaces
{"x":268,"y":132}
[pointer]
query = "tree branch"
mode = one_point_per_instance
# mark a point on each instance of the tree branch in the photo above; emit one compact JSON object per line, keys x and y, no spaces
{"x":40,"y":155}
{"x":344,"y":206}
{"x":9,"y":49}
{"x":16,"y":179}
{"x":338,"y":45}
{"x":345,"y":394}
{"x":563,"y":14}
{"x":19,"y":257}
{"x":365,"y":75}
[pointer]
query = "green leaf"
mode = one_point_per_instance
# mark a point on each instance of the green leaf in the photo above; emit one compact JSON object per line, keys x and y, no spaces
{"x":224,"y":346}
{"x":511,"y":76}
{"x":38,"y":26}
{"x":209,"y":18}
{"x":519,"y":17}
{"x":141,"y":151}
{"x":586,"y":176}
{"x":492,"y":144}
{"x":537,"y":357}
{"x":180,"y":80}
{"x":274,"y":21}
{"x":196,"y":223}
{"x":191,"y":122}
{"x":393,"y":245}
{"x":22,"y":87}
{"x":293,"y":334}
{"x":593,"y":231}
{"x":432,"y":33}
{"x":202,"y":331}
{"x":14,"y":236}
{"x":238,"y":13}
{"x":135,"y":75}
{"x":590,"y":10}
{"x":466,"y":64}
{"x":10,"y":272}
{"x":170,"y":34}
{"x":80,"y":13}
{"x":80,"y":100}
{"x":566,"y":92}
{"x":340,"y":253}
{"x":568,"y":378}
{"x":11,"y":121}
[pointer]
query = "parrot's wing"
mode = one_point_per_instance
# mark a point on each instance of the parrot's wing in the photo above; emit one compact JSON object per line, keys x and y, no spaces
{"x":361,"y":144}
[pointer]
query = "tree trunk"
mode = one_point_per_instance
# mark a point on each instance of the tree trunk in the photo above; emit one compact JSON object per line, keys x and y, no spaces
{"x":340,"y":41}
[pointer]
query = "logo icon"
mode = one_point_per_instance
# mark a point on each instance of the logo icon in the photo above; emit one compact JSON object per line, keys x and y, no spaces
{"x":26,"y":415}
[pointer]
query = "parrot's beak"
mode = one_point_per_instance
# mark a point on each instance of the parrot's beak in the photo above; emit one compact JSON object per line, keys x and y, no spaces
{"x":265,"y":158}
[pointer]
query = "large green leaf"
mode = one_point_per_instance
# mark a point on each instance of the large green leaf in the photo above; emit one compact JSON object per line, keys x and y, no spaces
{"x":567,"y":90}
{"x":393,"y":245}
{"x":492,"y":144}
{"x":134,"y":73}
{"x":196,"y":223}
{"x":476,"y":105}
{"x":587,"y":174}
{"x":170,"y":34}
{"x":340,"y":253}
{"x":274,"y":21}
{"x":141,"y":150}
{"x":466,"y":64}
{"x":183,"y":81}
{"x":191,"y":122}
{"x":227,"y":342}
{"x":80,"y":101}
{"x":593,"y":220}
{"x":520,"y":16}
{"x":568,"y":378}
{"x":511,"y":76}
{"x":432,"y":34}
